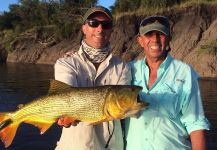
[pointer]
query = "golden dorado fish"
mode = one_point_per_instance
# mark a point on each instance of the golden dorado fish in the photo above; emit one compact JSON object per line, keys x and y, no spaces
{"x":88,"y":104}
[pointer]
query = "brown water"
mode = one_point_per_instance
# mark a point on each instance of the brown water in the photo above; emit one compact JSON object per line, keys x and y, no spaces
{"x":21,"y":83}
{"x":209,"y":94}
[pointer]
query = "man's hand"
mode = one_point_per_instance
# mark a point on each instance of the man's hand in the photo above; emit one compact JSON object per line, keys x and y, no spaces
{"x":66,"y":121}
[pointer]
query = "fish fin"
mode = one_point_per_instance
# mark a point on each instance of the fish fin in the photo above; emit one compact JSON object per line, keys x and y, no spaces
{"x":69,"y":119}
{"x":5,"y":120}
{"x":57,"y":86}
{"x":7,"y":134}
{"x":42,"y":126}
{"x":20,"y":106}
{"x":4,"y":116}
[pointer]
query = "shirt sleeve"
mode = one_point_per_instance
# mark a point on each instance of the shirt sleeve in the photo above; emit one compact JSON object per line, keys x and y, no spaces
{"x":125,"y":77}
{"x":65,"y":73}
{"x":192,"y":111}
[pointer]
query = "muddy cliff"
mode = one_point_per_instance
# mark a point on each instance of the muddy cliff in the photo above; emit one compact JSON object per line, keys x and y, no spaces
{"x":194,"y":40}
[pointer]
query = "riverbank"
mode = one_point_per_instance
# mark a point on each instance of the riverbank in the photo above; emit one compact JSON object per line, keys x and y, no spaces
{"x":193,"y":30}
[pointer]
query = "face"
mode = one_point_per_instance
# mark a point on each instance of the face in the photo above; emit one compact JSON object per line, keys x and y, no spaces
{"x":154,"y":44}
{"x":97,"y":37}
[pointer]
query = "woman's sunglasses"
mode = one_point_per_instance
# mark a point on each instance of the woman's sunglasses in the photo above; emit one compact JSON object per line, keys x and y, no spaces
{"x":95,"y":23}
{"x":161,"y":19}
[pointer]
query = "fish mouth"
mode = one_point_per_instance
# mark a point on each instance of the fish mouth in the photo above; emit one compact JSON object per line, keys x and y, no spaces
{"x":138,"y":99}
{"x":142,"y":102}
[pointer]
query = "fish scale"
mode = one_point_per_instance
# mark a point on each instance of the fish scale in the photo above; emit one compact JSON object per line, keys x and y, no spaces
{"x":91,"y":104}
{"x":70,"y":104}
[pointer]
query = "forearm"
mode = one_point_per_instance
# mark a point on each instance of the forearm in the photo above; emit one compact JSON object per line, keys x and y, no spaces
{"x":198,"y":140}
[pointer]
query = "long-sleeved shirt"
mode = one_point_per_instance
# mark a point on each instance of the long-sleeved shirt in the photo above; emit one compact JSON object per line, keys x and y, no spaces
{"x":78,"y":71}
{"x":175,"y":107}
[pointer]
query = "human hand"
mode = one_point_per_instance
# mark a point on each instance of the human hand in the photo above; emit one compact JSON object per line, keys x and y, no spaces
{"x":66,"y":121}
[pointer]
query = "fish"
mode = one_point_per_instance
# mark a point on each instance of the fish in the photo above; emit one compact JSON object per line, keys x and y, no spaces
{"x":92,"y":105}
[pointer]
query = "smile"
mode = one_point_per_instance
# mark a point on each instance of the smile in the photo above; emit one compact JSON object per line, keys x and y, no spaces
{"x":155,"y":47}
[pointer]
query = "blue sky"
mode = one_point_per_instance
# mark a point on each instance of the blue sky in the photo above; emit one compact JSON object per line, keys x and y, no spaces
{"x":106,"y":3}
{"x":5,"y":3}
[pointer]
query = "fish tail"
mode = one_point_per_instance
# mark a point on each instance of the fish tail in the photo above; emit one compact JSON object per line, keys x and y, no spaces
{"x":8,"y":129}
{"x":4,"y":120}
{"x":5,"y":123}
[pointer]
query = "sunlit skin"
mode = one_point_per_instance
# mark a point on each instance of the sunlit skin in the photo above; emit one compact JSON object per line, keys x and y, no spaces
{"x":154,"y":44}
{"x":97,"y":37}
{"x":198,"y":140}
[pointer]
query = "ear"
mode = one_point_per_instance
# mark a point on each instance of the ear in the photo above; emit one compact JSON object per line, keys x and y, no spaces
{"x":84,"y":29}
{"x":139,"y":40}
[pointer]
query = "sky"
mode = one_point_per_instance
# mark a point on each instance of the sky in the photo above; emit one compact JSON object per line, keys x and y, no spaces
{"x":4,"y":4}
{"x":106,"y":3}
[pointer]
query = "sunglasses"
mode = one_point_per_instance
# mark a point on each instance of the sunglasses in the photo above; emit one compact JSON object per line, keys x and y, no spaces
{"x":95,"y":23}
{"x":161,"y":19}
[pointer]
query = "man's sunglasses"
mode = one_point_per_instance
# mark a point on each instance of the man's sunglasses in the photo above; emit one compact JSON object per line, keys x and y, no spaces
{"x":95,"y":23}
{"x":161,"y":19}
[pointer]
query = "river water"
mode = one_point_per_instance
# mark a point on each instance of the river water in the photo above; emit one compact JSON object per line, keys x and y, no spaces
{"x":21,"y":83}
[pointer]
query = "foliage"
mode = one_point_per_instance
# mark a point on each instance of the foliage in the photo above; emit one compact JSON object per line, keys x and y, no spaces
{"x":65,"y":15}
{"x":6,"y":37}
{"x":129,"y":5}
{"x":210,"y":47}
{"x":123,"y":6}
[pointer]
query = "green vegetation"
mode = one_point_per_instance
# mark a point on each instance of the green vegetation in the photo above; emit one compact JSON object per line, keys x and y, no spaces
{"x":55,"y":20}
{"x":152,"y":6}
{"x":61,"y":17}
{"x":210,"y":47}
{"x":65,"y":15}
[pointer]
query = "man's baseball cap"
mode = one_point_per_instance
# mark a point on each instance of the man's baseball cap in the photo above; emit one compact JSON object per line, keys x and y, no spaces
{"x":95,"y":9}
{"x":155,"y":23}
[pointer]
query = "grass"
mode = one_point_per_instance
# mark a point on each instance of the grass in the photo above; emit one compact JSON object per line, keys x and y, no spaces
{"x":6,"y":37}
{"x":210,"y":47}
{"x":151,"y":10}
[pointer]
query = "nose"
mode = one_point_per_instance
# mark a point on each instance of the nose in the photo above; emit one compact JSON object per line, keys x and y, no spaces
{"x":99,"y":28}
{"x":155,"y":36}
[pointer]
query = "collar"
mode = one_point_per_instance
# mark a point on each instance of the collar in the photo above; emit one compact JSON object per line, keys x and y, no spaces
{"x":164,"y":65}
{"x":84,"y":58}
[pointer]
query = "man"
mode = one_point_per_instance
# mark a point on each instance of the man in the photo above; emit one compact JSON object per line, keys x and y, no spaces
{"x":92,"y":65}
{"x":171,"y":88}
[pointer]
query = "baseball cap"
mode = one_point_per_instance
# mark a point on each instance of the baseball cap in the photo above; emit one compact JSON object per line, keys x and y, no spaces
{"x":155,"y":23}
{"x":95,"y":9}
